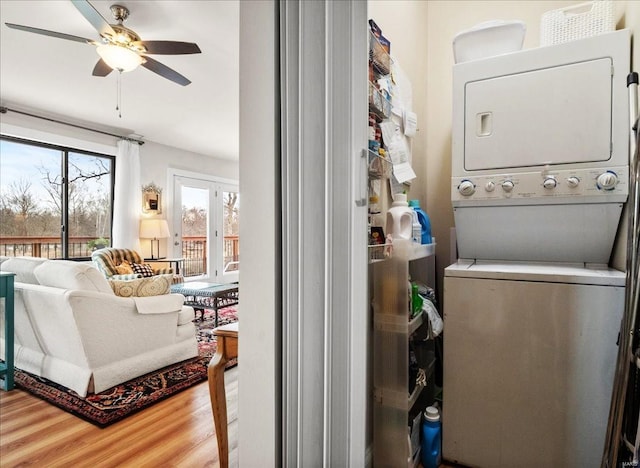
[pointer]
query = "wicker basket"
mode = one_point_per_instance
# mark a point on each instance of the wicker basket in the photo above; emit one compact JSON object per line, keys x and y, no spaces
{"x":577,"y":22}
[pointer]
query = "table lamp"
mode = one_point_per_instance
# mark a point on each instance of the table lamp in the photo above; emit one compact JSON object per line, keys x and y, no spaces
{"x":154,"y":229}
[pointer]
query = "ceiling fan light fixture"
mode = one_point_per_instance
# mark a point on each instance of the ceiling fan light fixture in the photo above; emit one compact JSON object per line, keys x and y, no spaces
{"x":119,"y":58}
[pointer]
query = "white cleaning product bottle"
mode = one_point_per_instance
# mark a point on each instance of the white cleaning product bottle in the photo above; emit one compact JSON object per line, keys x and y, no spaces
{"x":400,"y":218}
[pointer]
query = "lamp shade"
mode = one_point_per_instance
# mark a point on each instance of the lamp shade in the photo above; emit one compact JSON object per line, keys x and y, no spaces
{"x":154,"y":229}
{"x":118,"y":57}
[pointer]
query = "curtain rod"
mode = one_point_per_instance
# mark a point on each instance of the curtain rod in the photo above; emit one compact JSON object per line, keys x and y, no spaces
{"x":4,"y":110}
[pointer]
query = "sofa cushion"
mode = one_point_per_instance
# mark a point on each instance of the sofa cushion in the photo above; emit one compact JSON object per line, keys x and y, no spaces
{"x":142,"y":287}
{"x":124,"y":268}
{"x":142,"y":269}
{"x":67,"y":274}
{"x":23,"y":267}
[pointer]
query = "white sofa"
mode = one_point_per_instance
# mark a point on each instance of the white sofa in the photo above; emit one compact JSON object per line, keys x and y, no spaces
{"x":72,"y":329}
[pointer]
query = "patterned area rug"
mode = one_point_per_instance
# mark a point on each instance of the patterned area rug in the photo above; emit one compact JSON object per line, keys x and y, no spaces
{"x":116,"y":403}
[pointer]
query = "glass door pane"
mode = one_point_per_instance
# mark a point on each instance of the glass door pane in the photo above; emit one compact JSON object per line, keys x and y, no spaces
{"x":195,"y":230}
{"x":230,"y":237}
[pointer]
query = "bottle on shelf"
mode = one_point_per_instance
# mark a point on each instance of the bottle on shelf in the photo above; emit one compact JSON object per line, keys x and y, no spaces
{"x":400,"y":218}
{"x":431,"y":438}
{"x":416,"y":300}
{"x":417,"y":229}
{"x":425,"y":222}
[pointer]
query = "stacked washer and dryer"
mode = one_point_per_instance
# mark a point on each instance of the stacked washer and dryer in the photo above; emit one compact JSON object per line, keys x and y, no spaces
{"x":532,"y":311}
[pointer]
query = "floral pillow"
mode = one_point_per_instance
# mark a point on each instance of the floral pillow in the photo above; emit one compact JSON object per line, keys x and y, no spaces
{"x":124,"y":268}
{"x":142,"y":287}
{"x":142,"y":269}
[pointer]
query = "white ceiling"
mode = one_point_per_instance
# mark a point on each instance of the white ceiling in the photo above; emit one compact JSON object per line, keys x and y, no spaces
{"x":53,"y":76}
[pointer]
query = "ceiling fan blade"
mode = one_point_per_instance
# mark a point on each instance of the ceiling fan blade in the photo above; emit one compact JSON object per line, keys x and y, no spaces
{"x":92,"y":16}
{"x":164,"y":71}
{"x":101,"y":69}
{"x":46,"y":32}
{"x":169,"y":47}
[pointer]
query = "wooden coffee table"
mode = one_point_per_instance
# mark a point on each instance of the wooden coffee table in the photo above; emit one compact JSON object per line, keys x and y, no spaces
{"x":202,"y":296}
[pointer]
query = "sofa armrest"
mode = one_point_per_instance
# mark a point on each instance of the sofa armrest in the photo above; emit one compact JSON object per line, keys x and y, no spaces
{"x":111,"y":327}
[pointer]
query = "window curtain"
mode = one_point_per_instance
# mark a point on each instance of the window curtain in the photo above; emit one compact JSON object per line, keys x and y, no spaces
{"x":127,"y":197}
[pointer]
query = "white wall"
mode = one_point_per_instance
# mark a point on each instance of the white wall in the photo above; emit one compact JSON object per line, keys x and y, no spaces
{"x":155,"y":159}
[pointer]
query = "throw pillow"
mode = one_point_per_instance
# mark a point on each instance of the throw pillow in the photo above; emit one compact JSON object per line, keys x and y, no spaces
{"x":124,"y":268}
{"x":142,"y":287}
{"x":142,"y":269}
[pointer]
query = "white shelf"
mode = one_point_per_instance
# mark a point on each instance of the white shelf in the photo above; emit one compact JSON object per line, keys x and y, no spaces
{"x":416,"y":322}
{"x":379,"y":252}
{"x":422,"y":251}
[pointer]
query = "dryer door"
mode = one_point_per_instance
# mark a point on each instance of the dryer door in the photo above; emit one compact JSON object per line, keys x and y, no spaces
{"x":553,"y":115}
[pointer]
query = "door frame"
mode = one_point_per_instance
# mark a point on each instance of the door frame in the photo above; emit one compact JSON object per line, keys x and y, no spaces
{"x":175,"y":224}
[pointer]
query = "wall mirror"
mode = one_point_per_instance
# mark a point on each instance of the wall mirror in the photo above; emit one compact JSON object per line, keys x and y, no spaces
{"x":151,"y":199}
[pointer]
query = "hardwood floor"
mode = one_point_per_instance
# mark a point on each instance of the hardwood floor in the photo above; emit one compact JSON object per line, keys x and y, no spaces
{"x":177,"y":432}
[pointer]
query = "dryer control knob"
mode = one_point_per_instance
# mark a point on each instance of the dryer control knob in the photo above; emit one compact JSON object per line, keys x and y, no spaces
{"x":607,"y":180}
{"x":466,"y":188}
{"x":507,"y":185}
{"x":573,"y":181}
{"x":549,"y":183}
{"x":490,"y":186}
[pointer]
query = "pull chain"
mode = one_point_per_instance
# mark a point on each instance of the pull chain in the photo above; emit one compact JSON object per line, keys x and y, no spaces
{"x":119,"y":94}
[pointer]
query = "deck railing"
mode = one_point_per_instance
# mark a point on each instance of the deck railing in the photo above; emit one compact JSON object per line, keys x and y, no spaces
{"x":194,"y":250}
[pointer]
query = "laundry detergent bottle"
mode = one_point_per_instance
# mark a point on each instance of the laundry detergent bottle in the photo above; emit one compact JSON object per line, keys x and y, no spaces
{"x":431,"y":438}
{"x":424,"y":221}
{"x":400,"y":218}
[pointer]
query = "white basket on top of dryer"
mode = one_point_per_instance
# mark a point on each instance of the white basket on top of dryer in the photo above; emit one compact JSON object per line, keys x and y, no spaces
{"x":577,"y":22}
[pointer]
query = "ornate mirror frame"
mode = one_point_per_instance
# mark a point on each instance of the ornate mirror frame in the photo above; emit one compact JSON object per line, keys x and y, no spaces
{"x":151,"y":199}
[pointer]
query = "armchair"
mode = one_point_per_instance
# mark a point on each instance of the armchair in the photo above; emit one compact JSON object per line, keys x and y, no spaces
{"x":108,"y":259}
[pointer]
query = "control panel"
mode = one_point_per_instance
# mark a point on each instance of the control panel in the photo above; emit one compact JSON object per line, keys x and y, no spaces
{"x":595,"y":182}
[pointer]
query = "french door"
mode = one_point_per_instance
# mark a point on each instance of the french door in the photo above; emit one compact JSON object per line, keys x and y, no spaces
{"x":205,"y":223}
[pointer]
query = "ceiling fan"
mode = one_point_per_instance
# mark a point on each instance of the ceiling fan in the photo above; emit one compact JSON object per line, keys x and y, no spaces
{"x":119,"y":47}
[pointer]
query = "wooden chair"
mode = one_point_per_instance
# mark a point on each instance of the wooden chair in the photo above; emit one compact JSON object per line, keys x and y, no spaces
{"x":227,"y":340}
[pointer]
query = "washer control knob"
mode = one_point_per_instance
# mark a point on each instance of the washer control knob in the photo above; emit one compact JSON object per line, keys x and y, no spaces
{"x":466,"y":188}
{"x":607,"y":180}
{"x":507,"y":186}
{"x":490,"y":186}
{"x":549,"y":183}
{"x":573,"y":181}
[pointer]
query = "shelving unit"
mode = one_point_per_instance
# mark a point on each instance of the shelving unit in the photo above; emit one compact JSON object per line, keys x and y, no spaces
{"x":403,"y":353}
{"x":398,"y":399}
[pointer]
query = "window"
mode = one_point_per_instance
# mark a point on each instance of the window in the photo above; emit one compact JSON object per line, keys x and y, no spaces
{"x":55,"y":202}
